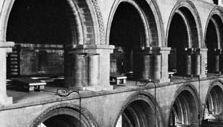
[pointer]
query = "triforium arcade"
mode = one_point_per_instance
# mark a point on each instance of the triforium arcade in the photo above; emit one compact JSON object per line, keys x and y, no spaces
{"x":111,"y":63}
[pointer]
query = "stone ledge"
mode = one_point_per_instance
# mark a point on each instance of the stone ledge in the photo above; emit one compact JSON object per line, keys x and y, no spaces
{"x":8,"y":44}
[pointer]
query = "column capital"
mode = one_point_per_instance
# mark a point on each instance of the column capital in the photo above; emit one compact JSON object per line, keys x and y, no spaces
{"x":198,"y":50}
{"x":157,"y":50}
{"x":7,"y":45}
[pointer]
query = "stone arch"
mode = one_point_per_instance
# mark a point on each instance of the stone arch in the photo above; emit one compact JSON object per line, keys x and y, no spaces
{"x":215,"y":13}
{"x":74,"y":115}
{"x":213,"y":102}
{"x":185,"y":21}
{"x":140,"y":105}
{"x":188,"y":12}
{"x":213,"y":38}
{"x":151,"y":17}
{"x":185,"y":107}
{"x":86,"y":16}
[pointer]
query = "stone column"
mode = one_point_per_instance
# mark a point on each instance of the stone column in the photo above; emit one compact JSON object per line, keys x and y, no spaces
{"x":97,"y":67}
{"x":157,"y":60}
{"x":197,"y":62}
{"x":4,"y":48}
{"x":74,"y":70}
{"x":221,"y":62}
{"x":188,"y":57}
{"x":217,"y":60}
{"x":165,"y":51}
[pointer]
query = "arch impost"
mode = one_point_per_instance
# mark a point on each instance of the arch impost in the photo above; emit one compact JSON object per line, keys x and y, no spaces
{"x":92,"y":49}
{"x":157,"y":50}
{"x":7,"y":46}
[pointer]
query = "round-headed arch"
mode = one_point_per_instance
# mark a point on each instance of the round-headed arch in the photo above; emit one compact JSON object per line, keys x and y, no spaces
{"x":213,"y":38}
{"x":215,"y":19}
{"x":140,"y":110}
{"x":85,"y":23}
{"x":213,"y":101}
{"x":185,"y":107}
{"x":150,"y":16}
{"x":65,"y":115}
{"x":186,"y":13}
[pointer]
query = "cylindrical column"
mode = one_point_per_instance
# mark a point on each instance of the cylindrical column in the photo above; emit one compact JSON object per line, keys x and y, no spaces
{"x":197,"y":64}
{"x":93,"y":63}
{"x":146,"y":69}
{"x":221,"y":61}
{"x":74,"y":70}
{"x":188,"y":53}
{"x":157,"y":67}
{"x":152,"y":67}
{"x":131,"y":61}
{"x":217,"y":60}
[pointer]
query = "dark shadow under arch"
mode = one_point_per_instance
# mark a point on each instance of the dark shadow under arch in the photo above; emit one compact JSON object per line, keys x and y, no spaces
{"x":140,"y":111}
{"x":182,"y":37}
{"x":42,"y":31}
{"x":65,"y":116}
{"x":213,"y":110}
{"x":184,"y":110}
{"x":128,"y":34}
{"x":150,"y":12}
{"x":213,"y":41}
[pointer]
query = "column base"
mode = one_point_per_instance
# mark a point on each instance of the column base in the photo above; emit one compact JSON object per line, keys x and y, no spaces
{"x":163,"y":80}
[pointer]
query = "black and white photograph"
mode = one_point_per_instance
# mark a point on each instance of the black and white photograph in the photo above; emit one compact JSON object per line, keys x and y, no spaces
{"x":111,"y":63}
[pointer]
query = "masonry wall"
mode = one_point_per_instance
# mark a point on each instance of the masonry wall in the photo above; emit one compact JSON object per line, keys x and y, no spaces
{"x":103,"y":102}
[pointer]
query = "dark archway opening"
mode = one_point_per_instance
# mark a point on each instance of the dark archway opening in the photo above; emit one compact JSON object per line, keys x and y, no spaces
{"x":61,"y":121}
{"x":65,"y":117}
{"x":178,"y":41}
{"x":213,"y":112}
{"x":214,"y":37}
{"x":128,"y":35}
{"x":41,"y":30}
{"x":138,"y":114}
{"x":212,"y":45}
{"x":215,"y":2}
{"x":184,"y":111}
{"x":183,"y":38}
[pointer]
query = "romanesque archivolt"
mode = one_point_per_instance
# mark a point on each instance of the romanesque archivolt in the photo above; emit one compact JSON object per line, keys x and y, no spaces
{"x":111,"y":63}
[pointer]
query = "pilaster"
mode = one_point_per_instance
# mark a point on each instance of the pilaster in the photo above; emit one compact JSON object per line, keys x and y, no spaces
{"x":202,"y":52}
{"x":4,"y":48}
{"x":165,"y":51}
